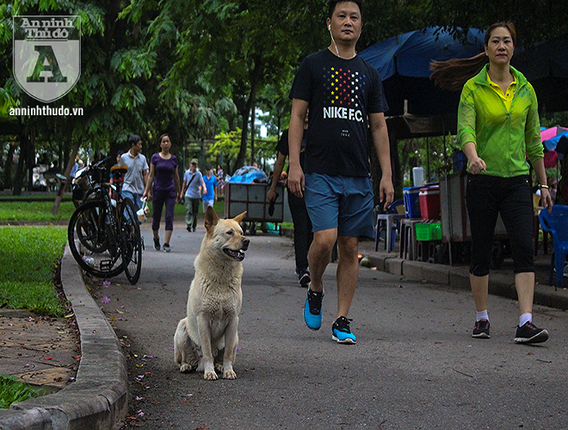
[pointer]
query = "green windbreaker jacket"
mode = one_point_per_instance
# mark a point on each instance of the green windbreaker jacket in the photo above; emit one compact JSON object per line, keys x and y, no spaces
{"x":503,"y":139}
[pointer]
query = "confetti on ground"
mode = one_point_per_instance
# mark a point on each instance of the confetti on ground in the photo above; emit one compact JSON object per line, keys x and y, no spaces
{"x":105,"y":300}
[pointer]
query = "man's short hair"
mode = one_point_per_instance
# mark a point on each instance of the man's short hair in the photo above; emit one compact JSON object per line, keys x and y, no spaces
{"x":133,"y":140}
{"x":333,"y":4}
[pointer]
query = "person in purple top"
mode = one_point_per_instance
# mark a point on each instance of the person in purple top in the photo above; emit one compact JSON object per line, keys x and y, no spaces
{"x":164,"y":187}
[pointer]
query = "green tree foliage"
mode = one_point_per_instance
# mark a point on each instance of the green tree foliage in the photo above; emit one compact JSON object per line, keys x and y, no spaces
{"x":535,"y":20}
{"x":239,"y":47}
{"x":197,"y":68}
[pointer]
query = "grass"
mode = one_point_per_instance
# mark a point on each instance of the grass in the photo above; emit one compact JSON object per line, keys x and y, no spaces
{"x":23,"y":211}
{"x":28,"y":259}
{"x":12,"y":391}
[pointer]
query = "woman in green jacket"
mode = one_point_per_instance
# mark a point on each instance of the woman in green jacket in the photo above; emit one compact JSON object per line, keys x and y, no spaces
{"x":498,"y":128}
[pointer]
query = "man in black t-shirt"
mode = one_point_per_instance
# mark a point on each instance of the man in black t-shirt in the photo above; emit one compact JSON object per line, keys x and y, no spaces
{"x":346,"y":102}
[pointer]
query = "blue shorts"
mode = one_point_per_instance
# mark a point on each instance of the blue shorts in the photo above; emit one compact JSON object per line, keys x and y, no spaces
{"x":341,"y":202}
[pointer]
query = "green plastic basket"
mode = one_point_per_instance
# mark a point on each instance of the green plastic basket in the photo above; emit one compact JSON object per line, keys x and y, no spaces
{"x":430,"y":231}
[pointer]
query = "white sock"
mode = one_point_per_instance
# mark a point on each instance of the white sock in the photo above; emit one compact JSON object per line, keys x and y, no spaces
{"x":482,"y":315}
{"x":525,"y":318}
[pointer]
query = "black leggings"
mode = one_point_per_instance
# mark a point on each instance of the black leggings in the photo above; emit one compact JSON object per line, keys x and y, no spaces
{"x":486,"y":198}
{"x":303,"y":234}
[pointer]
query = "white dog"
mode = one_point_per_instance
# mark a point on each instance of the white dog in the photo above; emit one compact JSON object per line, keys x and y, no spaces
{"x":207,"y":338}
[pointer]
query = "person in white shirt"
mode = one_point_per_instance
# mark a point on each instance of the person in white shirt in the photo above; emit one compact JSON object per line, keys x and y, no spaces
{"x":137,"y":174}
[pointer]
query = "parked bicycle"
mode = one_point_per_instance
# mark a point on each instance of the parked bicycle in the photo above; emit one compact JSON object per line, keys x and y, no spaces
{"x":104,"y":231}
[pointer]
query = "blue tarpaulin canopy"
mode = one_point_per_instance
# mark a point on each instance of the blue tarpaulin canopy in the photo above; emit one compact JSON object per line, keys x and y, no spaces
{"x":403,"y":63}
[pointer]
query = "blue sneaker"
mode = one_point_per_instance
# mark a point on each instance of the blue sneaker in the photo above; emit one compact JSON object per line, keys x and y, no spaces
{"x":312,"y":310}
{"x":340,"y":331}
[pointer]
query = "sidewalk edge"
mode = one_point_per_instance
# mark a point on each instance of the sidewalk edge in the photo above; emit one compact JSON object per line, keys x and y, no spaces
{"x":99,"y":397}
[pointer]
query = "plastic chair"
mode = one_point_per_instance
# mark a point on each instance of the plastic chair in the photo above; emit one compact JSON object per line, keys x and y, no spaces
{"x":390,"y":223}
{"x":556,"y":223}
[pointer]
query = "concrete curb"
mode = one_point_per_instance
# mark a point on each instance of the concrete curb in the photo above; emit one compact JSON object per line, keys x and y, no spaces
{"x":99,"y":397}
{"x":501,"y":283}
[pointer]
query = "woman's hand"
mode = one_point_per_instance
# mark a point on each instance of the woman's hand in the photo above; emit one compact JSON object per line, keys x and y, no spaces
{"x":545,"y":199}
{"x":476,"y":165}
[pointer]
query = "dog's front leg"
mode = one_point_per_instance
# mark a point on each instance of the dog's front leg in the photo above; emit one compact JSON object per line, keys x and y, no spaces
{"x":205,"y":338}
{"x":231,"y":341}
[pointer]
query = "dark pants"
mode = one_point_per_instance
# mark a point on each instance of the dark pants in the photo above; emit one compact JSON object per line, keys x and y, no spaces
{"x":486,"y":198}
{"x":303,"y":234}
{"x":191,"y":211}
{"x":158,"y":200}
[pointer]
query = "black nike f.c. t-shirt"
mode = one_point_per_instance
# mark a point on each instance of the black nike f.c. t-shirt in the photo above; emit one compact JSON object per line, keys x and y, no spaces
{"x":341,"y":93}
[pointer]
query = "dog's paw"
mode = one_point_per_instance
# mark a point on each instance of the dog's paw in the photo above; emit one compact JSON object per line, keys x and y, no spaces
{"x":229,"y":374}
{"x":185,"y":368}
{"x":210,"y":376}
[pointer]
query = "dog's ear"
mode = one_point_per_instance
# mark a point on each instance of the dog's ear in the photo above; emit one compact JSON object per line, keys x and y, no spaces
{"x":240,"y":217}
{"x":211,"y":218}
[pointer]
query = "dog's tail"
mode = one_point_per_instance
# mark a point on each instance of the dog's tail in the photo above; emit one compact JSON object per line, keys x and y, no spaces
{"x":180,"y":342}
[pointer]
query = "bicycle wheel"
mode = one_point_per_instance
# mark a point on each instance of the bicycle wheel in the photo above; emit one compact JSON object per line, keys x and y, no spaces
{"x":89,"y":241}
{"x":130,"y":241}
{"x":90,"y":228}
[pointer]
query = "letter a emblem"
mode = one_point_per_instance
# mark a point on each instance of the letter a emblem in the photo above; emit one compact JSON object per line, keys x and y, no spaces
{"x":46,"y":65}
{"x":46,"y":55}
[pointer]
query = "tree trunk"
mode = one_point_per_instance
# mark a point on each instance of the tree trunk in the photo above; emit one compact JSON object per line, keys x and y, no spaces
{"x":245,"y":113}
{"x":19,"y":177}
{"x":8,"y":166}
{"x":31,"y":159}
{"x":67,"y":174}
{"x":252,"y":119}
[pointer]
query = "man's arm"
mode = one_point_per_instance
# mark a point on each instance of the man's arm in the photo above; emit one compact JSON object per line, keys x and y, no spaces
{"x":183,"y":188}
{"x":381,"y":142}
{"x":145,"y":176}
{"x":295,"y":134}
{"x":278,"y":167}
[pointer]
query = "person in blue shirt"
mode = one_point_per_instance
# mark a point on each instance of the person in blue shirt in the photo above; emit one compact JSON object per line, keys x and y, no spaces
{"x":210,"y":181}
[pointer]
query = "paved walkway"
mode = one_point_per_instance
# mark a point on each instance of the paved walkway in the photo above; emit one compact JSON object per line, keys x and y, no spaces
{"x":98,"y":396}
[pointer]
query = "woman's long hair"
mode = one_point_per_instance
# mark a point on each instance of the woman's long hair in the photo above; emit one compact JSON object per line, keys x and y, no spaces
{"x":453,"y":74}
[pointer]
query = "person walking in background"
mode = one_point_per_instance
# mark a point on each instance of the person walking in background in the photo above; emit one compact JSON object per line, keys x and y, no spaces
{"x":210,"y":181}
{"x":74,"y":169}
{"x":137,"y":175}
{"x":192,"y":187}
{"x":303,"y":234}
{"x":337,"y":182}
{"x":163,"y":187}
{"x":498,"y":128}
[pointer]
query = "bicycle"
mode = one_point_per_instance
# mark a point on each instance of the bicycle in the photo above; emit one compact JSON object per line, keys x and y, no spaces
{"x":104,"y":232}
